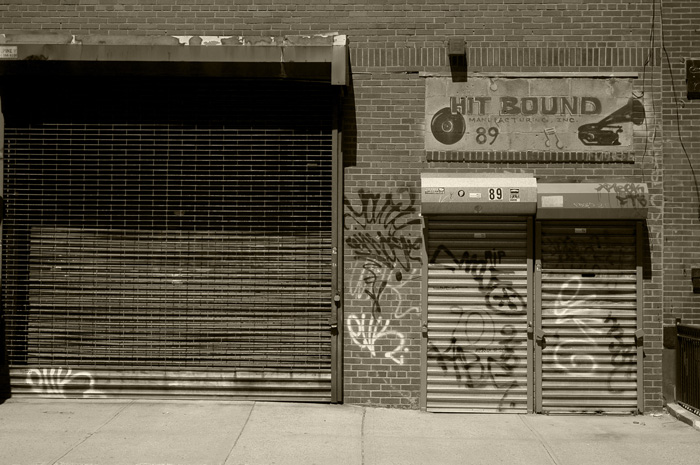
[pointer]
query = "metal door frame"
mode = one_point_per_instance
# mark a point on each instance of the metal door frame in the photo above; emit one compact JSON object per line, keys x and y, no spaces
{"x":530,"y":248}
{"x":537,"y":308}
{"x":537,"y":330}
{"x":336,"y":296}
{"x":335,"y":330}
{"x":640,"y":316}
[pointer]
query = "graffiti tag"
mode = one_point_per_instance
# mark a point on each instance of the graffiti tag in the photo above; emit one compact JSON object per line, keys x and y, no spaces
{"x":365,"y":331}
{"x":380,"y":229}
{"x":53,"y":382}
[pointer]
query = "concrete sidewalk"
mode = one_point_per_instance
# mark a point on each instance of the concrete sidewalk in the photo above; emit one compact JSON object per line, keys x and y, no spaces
{"x":55,"y":431}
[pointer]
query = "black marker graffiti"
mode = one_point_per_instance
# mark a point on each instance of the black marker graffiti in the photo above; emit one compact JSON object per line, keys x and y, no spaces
{"x":484,"y":351}
{"x":477,"y":363}
{"x":622,"y":354}
{"x":499,"y":294}
{"x":587,"y":251}
{"x":378,"y":234}
{"x":382,"y":284}
{"x":634,"y":194}
{"x":383,"y":224}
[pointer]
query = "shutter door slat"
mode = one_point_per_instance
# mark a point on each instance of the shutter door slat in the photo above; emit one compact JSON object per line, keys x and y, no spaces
{"x":589,"y":318}
{"x":169,"y":238}
{"x":477,"y":315}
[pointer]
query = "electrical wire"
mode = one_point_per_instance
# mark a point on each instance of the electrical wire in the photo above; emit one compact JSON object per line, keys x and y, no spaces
{"x":650,"y":55}
{"x":675,"y":100}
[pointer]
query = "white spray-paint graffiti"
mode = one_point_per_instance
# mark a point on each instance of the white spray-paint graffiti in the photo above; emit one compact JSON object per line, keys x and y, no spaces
{"x":377,"y":234}
{"x":566,"y":305}
{"x":571,"y":302}
{"x":365,"y":331}
{"x":53,"y":382}
{"x":384,"y":286}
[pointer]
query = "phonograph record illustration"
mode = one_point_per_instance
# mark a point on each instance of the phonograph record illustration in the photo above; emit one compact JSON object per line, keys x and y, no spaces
{"x":532,"y":114}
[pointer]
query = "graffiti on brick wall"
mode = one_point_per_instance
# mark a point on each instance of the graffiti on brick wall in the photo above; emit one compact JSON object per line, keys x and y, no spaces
{"x":366,"y":330}
{"x":384,"y":287}
{"x":58,"y":382}
{"x":386,"y":253}
{"x":378,"y":227}
{"x":485,"y":349}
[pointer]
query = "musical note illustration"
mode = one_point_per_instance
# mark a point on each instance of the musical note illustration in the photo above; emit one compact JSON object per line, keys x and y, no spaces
{"x":552,"y":132}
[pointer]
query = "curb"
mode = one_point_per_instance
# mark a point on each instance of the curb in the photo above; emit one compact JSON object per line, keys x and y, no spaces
{"x":683,"y":415}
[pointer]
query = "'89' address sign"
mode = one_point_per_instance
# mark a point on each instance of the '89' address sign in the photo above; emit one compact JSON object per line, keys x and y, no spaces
{"x":538,"y":114}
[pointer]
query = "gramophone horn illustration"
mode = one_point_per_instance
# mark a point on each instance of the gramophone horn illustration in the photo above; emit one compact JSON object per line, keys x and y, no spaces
{"x":607,"y":131}
{"x":447,"y":127}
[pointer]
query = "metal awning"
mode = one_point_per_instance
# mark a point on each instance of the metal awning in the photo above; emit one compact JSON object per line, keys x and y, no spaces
{"x":492,"y":194}
{"x":602,"y":200}
{"x":520,"y":194}
{"x":317,"y":58}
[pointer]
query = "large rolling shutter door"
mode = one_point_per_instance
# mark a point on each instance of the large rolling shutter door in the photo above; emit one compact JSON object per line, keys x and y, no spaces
{"x":169,"y":238}
{"x":477,"y":314}
{"x":589,"y":302}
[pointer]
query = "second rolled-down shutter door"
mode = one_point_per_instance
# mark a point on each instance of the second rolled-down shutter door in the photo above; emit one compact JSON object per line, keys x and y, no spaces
{"x":477,"y":347}
{"x":588,"y":291}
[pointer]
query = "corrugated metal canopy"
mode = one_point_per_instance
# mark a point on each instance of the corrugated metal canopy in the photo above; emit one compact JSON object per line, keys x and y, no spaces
{"x":601,"y":200}
{"x":317,"y":58}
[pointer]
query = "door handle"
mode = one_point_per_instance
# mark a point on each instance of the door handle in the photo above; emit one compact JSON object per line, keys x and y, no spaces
{"x":537,"y":333}
{"x":539,"y":336}
{"x":334,"y":311}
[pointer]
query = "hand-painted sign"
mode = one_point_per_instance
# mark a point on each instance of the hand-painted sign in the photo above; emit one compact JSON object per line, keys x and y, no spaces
{"x":539,"y":114}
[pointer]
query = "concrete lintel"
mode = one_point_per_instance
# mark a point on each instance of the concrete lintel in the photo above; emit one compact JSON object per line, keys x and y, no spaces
{"x":176,"y":53}
{"x":329,"y":50}
{"x":541,"y":75}
{"x":191,"y":40}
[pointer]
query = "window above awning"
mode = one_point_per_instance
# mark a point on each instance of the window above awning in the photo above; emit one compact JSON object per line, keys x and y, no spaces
{"x":315,"y":58}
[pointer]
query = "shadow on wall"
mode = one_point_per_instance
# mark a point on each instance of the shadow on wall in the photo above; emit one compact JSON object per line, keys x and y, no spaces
{"x":349,"y":121}
{"x":668,"y":364}
{"x":646,"y":253}
{"x":458,"y":68}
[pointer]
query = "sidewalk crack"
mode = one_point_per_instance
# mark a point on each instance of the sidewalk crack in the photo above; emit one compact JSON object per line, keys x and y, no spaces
{"x":92,"y":433}
{"x":545,"y":445}
{"x":240,"y":433}
{"x":362,"y":435}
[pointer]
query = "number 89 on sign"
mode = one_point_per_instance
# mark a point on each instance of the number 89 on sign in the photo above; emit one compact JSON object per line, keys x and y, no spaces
{"x":496,"y":194}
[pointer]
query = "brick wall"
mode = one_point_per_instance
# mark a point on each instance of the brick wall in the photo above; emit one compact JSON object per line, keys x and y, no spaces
{"x":583,"y":46}
{"x":681,"y":157}
{"x":394,"y":41}
{"x":398,"y":23}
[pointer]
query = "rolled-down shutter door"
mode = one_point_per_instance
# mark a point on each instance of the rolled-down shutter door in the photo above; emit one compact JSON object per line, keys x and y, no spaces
{"x":588,"y":356}
{"x":169,"y":238}
{"x":477,"y":315}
